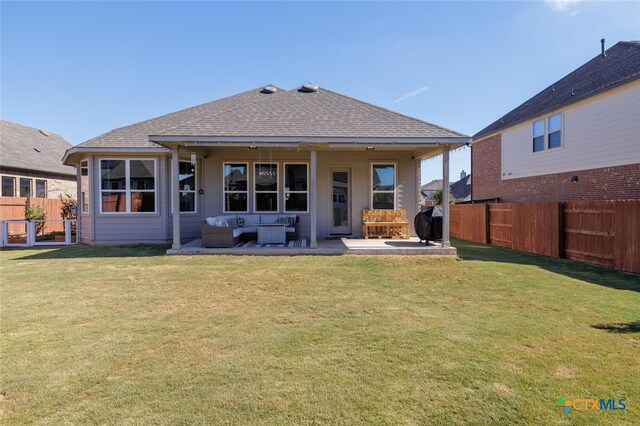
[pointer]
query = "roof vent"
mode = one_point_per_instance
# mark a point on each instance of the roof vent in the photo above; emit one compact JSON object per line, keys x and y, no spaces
{"x":44,"y":132}
{"x":269,"y":89}
{"x":309,"y":88}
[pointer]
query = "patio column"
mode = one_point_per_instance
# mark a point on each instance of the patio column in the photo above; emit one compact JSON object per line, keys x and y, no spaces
{"x":175,"y":197}
{"x":313,"y":198}
{"x":445,"y":197}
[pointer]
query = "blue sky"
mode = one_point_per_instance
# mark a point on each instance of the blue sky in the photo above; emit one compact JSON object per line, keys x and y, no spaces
{"x":83,"y":68}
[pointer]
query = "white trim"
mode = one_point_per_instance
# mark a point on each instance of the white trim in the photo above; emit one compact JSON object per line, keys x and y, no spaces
{"x":14,"y":185}
{"x":284,"y":188}
{"x":87,"y":193}
{"x":545,"y":135}
{"x":127,"y":191}
{"x":112,"y":150}
{"x":395,"y":181}
{"x":244,"y":140}
{"x":277,"y":191}
{"x":224,"y":191}
{"x":30,"y":179}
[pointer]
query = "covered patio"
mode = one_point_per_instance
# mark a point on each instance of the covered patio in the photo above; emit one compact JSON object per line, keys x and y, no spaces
{"x":327,"y":247}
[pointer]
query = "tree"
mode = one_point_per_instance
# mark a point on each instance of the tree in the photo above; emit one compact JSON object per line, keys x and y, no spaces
{"x":438,"y":196}
{"x":69,"y":209}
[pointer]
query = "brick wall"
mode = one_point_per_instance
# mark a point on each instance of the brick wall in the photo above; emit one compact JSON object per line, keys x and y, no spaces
{"x":608,"y":183}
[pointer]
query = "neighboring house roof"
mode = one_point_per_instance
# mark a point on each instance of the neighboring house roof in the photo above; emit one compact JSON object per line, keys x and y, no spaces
{"x":428,"y":188}
{"x":290,"y":113}
{"x":30,"y":149}
{"x":461,"y":190}
{"x":620,"y":65}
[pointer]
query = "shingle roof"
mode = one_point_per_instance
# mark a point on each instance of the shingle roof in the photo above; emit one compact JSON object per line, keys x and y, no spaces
{"x":461,"y":189}
{"x":137,"y":135}
{"x":280,"y":114}
{"x":297,"y":113}
{"x":620,"y":65}
{"x":26,"y":148}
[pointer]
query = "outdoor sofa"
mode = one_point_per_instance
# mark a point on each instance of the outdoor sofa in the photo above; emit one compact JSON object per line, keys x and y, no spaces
{"x":230,"y":230}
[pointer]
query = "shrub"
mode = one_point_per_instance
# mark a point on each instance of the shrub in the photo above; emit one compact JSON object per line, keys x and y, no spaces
{"x":69,"y":209}
{"x":36,"y":213}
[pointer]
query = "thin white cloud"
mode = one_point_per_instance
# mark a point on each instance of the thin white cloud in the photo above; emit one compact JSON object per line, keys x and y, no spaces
{"x":411,"y":94}
{"x":563,"y":5}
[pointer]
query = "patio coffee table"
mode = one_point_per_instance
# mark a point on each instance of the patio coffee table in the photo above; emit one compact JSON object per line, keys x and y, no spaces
{"x":272,"y":233}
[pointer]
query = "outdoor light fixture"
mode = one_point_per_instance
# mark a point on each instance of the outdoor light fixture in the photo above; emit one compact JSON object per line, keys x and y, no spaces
{"x":253,"y":147}
{"x":371,"y":148}
{"x":574,"y":179}
{"x":193,"y":158}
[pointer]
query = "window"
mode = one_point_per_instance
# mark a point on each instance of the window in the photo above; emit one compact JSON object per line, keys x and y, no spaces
{"x":8,"y":186}
{"x":84,"y":186}
{"x":41,"y":188}
{"x":236,"y":187}
{"x":296,"y":178}
{"x":266,"y":187}
{"x":25,"y":187}
{"x":187,"y":187}
{"x":538,"y":136}
{"x":554,"y":129}
{"x":549,"y":129}
{"x":128,"y":186}
{"x":383,"y":191}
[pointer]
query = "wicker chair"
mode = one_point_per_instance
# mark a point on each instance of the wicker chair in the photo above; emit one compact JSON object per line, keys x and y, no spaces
{"x":223,"y":237}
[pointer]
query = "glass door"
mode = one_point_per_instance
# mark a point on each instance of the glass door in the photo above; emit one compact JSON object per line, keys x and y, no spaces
{"x":341,"y":202}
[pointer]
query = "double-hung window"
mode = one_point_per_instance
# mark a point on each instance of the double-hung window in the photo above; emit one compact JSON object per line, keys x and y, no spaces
{"x":383,"y":191}
{"x":549,"y":130}
{"x":187,"y":178}
{"x":236,"y":187}
{"x":128,"y":186}
{"x":25,"y":187}
{"x":41,"y":188}
{"x":266,"y":187}
{"x":296,"y":187}
{"x":8,"y":186}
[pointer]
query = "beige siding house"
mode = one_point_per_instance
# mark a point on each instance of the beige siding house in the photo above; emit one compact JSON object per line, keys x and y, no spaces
{"x":309,"y":152}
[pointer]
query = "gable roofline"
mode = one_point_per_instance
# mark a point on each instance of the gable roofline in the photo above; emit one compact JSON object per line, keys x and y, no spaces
{"x":623,"y":67}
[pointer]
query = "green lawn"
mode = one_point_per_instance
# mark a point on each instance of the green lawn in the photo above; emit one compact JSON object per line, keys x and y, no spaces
{"x":128,"y":335}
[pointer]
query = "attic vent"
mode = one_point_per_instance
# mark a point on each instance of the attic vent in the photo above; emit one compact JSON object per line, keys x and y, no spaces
{"x":36,"y":149}
{"x":44,"y":132}
{"x":269,"y":89}
{"x":309,"y":87}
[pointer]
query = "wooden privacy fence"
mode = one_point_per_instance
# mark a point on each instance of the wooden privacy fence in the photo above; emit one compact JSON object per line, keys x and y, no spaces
{"x":12,"y":208}
{"x":601,"y":232}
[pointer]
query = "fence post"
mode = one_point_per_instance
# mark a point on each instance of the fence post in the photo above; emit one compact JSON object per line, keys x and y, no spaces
{"x":2,"y":233}
{"x":67,"y":231}
{"x":31,"y":233}
{"x":561,"y":230}
{"x":487,"y":237}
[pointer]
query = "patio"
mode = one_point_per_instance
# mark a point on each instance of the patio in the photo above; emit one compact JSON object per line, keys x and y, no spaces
{"x":358,"y":246}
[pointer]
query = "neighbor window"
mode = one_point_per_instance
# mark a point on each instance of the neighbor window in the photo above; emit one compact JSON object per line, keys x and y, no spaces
{"x":296,"y":188}
{"x":554,"y":131}
{"x":538,"y":136}
{"x":187,"y":180}
{"x":25,"y":187}
{"x":266,"y":187}
{"x":236,"y":187}
{"x":8,"y":186}
{"x":128,"y":186}
{"x":549,"y":129}
{"x":383,"y":191}
{"x":41,"y":188}
{"x":84,"y":186}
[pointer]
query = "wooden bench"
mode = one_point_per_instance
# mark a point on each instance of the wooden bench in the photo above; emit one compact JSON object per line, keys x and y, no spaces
{"x":385,"y":224}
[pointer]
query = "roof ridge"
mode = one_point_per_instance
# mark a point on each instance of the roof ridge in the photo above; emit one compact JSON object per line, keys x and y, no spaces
{"x":394,"y":112}
{"x":171,"y":114}
{"x":51,"y":133}
{"x":231,"y":108}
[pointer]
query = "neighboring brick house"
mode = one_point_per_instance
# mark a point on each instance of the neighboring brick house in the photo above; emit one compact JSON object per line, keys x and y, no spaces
{"x":31,"y":163}
{"x":578,"y":139}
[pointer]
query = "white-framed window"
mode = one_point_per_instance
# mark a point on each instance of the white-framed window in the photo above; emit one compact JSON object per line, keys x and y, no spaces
{"x":41,"y":188}
{"x":235,"y":177}
{"x":187,"y":187}
{"x":128,"y":185}
{"x":25,"y":187}
{"x":8,"y":186}
{"x":383,"y":185}
{"x":296,"y":187}
{"x":265,"y":187}
{"x":547,"y":133}
{"x":84,"y":186}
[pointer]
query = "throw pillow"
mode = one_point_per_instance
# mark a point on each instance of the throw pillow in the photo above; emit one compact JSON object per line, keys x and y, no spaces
{"x":221,"y":224}
{"x":291,"y":221}
{"x":241,"y":222}
{"x":284,"y":220}
{"x":233,"y":223}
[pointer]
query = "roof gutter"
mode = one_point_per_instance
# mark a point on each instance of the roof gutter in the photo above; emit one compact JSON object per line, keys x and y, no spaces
{"x":68,"y":155}
{"x":293,"y":141}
